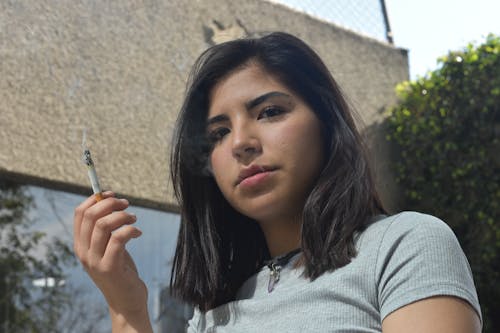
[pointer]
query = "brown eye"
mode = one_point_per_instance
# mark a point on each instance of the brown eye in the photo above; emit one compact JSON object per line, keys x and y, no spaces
{"x":217,"y":134}
{"x":271,"y":111}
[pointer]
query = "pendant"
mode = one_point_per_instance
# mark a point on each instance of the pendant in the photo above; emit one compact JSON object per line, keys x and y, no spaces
{"x":274,"y":277}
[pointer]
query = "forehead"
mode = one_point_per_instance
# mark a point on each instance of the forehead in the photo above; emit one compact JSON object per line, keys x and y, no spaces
{"x":242,"y":85}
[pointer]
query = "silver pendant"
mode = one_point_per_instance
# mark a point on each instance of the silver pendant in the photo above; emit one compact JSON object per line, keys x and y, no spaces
{"x":274,"y":277}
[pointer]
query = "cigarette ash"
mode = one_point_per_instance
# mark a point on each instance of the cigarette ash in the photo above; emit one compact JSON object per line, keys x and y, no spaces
{"x":87,"y":158}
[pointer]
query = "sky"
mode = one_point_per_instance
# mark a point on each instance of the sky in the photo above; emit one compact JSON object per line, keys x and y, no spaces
{"x":431,"y":28}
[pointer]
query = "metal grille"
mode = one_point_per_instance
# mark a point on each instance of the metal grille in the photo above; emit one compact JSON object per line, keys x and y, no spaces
{"x":367,"y":17}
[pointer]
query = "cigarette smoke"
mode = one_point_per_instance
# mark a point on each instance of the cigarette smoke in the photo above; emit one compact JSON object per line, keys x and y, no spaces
{"x":196,"y":150}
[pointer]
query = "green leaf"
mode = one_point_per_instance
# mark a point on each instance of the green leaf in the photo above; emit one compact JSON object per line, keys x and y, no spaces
{"x":445,"y":132}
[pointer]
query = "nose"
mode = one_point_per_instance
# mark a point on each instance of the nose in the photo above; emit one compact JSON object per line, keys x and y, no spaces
{"x":246,"y":144}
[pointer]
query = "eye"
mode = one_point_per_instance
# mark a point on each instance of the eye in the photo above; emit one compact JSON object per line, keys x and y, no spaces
{"x":217,"y":134}
{"x":271,"y":111}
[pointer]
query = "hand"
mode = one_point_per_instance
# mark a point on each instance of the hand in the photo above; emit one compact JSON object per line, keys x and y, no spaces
{"x":101,"y":231}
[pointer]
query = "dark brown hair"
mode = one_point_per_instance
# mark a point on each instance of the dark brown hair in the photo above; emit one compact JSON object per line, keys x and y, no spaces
{"x":218,"y":248}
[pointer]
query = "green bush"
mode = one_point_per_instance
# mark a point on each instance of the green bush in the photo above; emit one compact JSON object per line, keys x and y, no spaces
{"x":446,"y":133}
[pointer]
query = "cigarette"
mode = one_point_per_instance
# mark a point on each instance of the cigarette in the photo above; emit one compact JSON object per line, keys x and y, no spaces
{"x":87,"y":159}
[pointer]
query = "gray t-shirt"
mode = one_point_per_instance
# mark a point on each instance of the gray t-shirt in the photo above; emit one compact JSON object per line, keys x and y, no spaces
{"x":401,"y":259}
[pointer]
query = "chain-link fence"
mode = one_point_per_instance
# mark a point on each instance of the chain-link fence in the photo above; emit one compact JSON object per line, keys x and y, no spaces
{"x":367,"y":17}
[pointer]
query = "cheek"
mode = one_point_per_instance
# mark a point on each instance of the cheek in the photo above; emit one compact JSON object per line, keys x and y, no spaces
{"x":302,"y":146}
{"x":299,"y":141}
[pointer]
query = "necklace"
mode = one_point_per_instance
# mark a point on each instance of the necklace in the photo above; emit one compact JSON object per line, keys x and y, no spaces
{"x":275,"y":266}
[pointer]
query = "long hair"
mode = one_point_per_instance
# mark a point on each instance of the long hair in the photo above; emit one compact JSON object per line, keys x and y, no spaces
{"x":219,"y":248}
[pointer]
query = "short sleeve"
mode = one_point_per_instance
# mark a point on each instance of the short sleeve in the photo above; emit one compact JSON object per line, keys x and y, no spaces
{"x":420,"y":257}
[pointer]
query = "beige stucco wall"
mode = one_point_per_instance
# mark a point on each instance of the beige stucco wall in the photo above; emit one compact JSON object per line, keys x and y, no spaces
{"x":118,"y":68}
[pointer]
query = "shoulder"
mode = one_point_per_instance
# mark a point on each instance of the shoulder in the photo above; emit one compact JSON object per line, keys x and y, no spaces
{"x":419,"y":256}
{"x":387,"y":231}
{"x":412,"y":241}
{"x":409,"y":221}
{"x":415,"y":221}
{"x":419,"y":239}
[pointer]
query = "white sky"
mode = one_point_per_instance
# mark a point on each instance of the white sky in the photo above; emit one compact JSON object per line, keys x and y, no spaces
{"x":430,"y":28}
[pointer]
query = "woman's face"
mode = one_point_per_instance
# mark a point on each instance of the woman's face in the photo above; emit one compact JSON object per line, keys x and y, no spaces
{"x":267,"y":145}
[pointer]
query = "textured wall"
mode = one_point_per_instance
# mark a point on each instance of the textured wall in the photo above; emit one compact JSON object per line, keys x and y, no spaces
{"x":119,"y":68}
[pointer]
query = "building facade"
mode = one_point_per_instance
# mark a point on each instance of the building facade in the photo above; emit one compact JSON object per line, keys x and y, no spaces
{"x":119,"y":70}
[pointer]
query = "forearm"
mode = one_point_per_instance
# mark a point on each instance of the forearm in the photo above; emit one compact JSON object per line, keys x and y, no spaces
{"x":137,"y":322}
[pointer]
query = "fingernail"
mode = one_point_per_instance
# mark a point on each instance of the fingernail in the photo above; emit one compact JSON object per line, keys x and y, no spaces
{"x":108,"y":193}
{"x":133,"y":216}
{"x":125,"y":201}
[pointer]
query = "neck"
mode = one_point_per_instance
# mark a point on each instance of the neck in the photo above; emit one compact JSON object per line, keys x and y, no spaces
{"x":282,"y":236}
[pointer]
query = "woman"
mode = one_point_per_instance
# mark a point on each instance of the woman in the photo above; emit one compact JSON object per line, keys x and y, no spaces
{"x":281,"y":226}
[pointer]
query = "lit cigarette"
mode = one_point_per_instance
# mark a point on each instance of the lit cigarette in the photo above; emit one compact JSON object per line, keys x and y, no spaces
{"x":87,"y":159}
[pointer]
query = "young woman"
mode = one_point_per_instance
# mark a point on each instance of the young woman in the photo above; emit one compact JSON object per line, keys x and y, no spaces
{"x":281,"y":226}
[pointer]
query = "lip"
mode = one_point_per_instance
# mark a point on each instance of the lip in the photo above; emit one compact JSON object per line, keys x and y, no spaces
{"x":251,"y":171}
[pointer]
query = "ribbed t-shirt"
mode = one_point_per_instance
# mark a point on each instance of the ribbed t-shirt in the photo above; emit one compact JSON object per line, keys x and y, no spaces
{"x":401,"y":259}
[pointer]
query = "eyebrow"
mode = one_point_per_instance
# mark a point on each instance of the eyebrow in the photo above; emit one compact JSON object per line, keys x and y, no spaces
{"x":261,"y":99}
{"x":249,"y":105}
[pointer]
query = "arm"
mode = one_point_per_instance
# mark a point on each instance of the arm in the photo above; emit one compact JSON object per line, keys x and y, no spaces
{"x":440,"y":314}
{"x":425,"y":282}
{"x":101,"y":231}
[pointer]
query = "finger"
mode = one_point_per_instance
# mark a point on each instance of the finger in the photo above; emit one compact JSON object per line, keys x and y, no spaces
{"x":115,"y":251}
{"x":78,"y":217}
{"x":94,"y":213}
{"x":80,"y":210}
{"x":103,"y":229}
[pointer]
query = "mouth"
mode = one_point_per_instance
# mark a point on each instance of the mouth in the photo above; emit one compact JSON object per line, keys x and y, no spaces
{"x":252,"y":171}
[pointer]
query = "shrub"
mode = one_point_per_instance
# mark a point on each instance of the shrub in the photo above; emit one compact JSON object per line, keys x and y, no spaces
{"x":446,"y":134}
